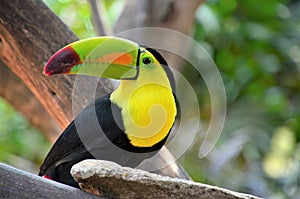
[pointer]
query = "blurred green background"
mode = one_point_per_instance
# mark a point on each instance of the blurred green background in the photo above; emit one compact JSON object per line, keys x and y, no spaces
{"x":256,"y":46}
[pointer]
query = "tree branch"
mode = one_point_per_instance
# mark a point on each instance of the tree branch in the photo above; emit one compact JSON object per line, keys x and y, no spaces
{"x":28,"y":38}
{"x":15,"y":184}
{"x":99,"y":19}
{"x":14,"y":91}
{"x":176,"y":15}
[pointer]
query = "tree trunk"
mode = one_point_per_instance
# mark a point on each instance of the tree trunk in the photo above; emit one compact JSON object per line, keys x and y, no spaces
{"x":28,"y":37}
{"x":15,"y":184}
{"x":175,"y":15}
{"x":19,"y":96}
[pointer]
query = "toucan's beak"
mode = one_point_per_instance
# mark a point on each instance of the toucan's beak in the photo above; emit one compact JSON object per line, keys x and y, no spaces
{"x":108,"y":57}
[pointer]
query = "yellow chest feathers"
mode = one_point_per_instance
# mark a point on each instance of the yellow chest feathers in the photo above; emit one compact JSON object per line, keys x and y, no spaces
{"x":148,"y":112}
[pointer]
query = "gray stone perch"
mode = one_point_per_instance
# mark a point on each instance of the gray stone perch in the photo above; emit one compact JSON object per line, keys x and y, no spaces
{"x":16,"y":184}
{"x":108,"y":179}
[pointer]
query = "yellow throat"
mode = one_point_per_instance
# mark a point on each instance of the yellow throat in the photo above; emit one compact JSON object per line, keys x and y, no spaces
{"x":148,"y":107}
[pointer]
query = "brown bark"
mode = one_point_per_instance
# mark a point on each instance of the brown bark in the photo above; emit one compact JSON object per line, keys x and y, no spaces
{"x":18,"y":48}
{"x":14,"y":91}
{"x":175,"y":15}
{"x":16,"y":184}
{"x":109,"y":179}
{"x":28,"y":37}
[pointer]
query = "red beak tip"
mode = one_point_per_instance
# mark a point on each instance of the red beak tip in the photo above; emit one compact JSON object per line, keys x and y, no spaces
{"x":62,"y":62}
{"x":46,"y":73}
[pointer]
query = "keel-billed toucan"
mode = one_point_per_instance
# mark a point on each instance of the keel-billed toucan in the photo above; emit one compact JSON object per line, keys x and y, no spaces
{"x":126,"y":126}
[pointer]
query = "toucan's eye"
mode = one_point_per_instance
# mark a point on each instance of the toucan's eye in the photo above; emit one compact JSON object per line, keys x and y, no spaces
{"x":147,"y":60}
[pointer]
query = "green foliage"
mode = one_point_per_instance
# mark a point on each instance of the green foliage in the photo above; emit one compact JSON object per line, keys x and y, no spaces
{"x":76,"y":14}
{"x":256,"y":46}
{"x":19,"y":142}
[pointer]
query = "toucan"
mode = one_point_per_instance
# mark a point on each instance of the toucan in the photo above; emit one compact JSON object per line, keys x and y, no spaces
{"x":126,"y":126}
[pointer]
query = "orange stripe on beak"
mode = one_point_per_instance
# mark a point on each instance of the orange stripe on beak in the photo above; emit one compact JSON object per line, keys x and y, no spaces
{"x":116,"y":58}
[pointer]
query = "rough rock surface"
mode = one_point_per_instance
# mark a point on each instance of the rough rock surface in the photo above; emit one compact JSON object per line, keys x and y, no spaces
{"x":111,"y":180}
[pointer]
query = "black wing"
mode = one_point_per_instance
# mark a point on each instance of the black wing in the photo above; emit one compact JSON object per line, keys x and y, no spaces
{"x":91,"y":130}
{"x":68,"y":143}
{"x":96,"y":133}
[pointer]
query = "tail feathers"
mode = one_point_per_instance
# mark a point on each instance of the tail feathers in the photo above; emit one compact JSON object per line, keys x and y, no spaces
{"x":61,"y":174}
{"x":47,"y":177}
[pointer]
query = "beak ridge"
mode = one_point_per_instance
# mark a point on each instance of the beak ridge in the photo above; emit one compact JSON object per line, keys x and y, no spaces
{"x":108,"y":57}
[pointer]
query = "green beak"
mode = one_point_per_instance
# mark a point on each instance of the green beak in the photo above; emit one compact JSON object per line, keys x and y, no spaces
{"x":108,"y":57}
